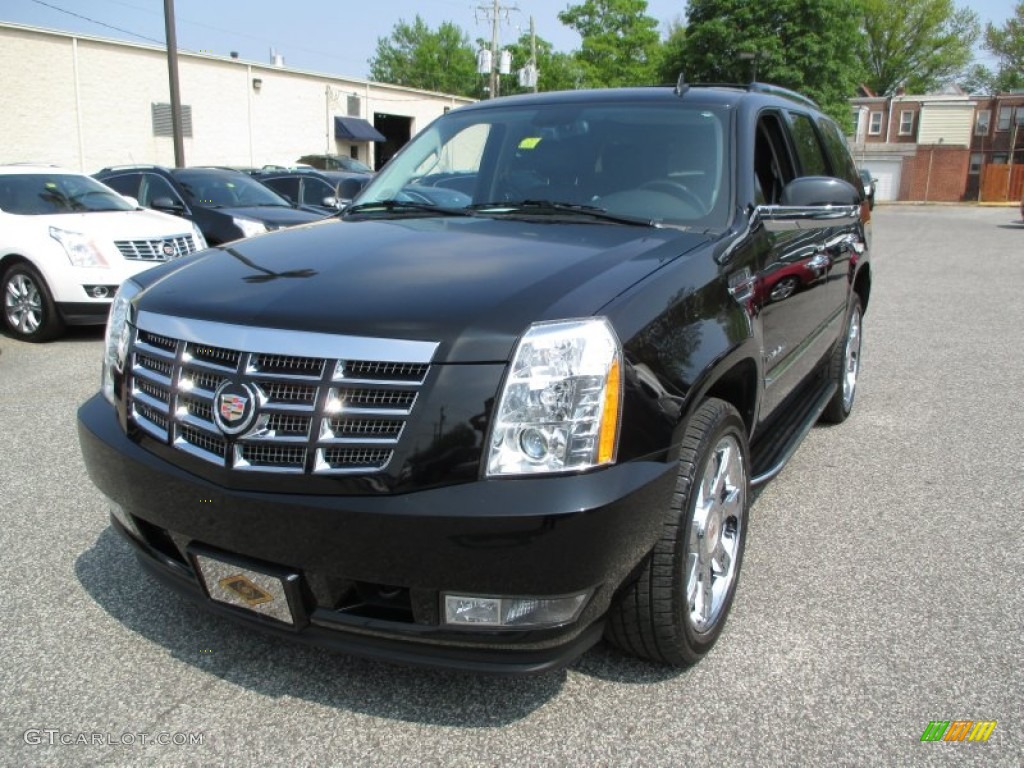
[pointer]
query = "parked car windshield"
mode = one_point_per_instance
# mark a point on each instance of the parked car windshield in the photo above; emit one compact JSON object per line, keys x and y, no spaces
{"x":210,"y":188}
{"x":653,"y":161}
{"x":40,"y":194}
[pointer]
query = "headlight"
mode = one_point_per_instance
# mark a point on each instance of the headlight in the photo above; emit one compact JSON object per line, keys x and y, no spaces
{"x":197,"y":237}
{"x":119,"y":329}
{"x":559,"y":409}
{"x":82,"y":251}
{"x":249,"y":227}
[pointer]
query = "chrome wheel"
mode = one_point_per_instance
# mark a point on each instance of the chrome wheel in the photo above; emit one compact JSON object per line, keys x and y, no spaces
{"x":23,"y":304}
{"x":714,"y":537}
{"x":851,"y":359}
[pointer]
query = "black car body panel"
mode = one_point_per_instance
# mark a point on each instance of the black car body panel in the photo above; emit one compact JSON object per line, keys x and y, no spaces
{"x":712,"y":283}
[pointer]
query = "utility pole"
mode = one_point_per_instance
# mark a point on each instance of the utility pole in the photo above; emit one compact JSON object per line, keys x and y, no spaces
{"x":533,"y":54}
{"x":172,"y":75}
{"x":494,"y":12}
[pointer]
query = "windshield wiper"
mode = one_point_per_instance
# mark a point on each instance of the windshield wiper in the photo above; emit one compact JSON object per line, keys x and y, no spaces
{"x":552,"y":206}
{"x":398,"y":206}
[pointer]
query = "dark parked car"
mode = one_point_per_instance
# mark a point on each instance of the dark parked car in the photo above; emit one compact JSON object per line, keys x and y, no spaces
{"x":335,"y":163}
{"x":327,"y":191}
{"x":225,"y":204}
{"x":869,"y":186}
{"x":486,"y":433}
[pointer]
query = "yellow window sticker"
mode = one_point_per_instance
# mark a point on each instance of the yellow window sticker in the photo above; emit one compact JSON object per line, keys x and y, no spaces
{"x":530,"y":142}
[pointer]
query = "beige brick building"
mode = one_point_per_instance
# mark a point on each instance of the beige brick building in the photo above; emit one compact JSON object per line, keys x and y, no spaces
{"x":87,"y":102}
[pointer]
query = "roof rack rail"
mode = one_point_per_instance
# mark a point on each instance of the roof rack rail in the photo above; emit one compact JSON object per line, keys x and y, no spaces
{"x":775,"y":90}
{"x":778,"y":90}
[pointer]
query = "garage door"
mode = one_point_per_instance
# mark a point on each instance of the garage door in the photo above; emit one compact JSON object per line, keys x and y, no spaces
{"x":888,"y":174}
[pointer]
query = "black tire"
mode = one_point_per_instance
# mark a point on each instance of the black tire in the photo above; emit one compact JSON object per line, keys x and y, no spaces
{"x":29,"y":312}
{"x":844,"y":366}
{"x":658,"y":615}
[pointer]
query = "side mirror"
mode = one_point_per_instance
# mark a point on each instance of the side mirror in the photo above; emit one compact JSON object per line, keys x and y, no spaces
{"x":819,"y":190}
{"x":333,"y":202}
{"x":166,"y":204}
{"x":812,"y":202}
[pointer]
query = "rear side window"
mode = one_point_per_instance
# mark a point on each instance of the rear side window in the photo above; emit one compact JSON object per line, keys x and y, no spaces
{"x":808,"y":148}
{"x":842,"y":164}
{"x":287,"y":187}
{"x":125,"y":184}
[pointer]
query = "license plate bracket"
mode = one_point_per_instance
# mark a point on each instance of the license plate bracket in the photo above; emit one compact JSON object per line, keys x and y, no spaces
{"x":267,"y":591}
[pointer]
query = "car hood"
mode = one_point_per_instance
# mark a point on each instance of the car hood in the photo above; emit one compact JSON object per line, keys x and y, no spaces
{"x":471,"y":284}
{"x":140,"y":224}
{"x":278,"y":216}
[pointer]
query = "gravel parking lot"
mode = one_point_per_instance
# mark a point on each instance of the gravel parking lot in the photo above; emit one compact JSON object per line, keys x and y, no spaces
{"x":883,"y":585}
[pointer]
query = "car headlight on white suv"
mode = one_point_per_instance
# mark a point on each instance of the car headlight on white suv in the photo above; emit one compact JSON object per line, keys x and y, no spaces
{"x":118,"y":336}
{"x":82,"y":250}
{"x":560,"y":407}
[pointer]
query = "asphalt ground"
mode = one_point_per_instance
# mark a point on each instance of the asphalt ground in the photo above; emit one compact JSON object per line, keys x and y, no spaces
{"x":883,"y":585}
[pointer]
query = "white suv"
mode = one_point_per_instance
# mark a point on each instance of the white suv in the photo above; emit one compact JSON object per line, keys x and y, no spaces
{"x":67,"y":242}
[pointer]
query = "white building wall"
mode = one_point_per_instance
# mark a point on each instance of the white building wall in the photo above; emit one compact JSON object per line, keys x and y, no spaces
{"x":86,"y":103}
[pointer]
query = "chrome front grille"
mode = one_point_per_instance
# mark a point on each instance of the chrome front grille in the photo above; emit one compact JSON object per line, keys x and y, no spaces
{"x":335,"y":414}
{"x":160,"y":249}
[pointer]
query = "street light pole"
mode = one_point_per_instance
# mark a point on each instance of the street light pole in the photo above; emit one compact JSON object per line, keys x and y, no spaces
{"x":172,"y":75}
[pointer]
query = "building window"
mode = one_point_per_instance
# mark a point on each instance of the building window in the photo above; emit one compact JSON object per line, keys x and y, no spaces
{"x":1020,"y":116}
{"x":976,"y":158}
{"x":354,"y":106}
{"x":906,"y":122}
{"x":163,"y":125}
{"x":981,"y":122}
{"x":875,"y":126}
{"x":999,"y":158}
{"x":1003,"y":123}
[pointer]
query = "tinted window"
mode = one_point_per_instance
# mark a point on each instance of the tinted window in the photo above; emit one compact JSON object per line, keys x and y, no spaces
{"x":286,"y":187}
{"x":41,"y":194}
{"x":126,"y":184}
{"x":314,"y":191}
{"x":210,"y":188}
{"x":808,"y":148}
{"x":842,"y":164}
{"x":154,"y":187}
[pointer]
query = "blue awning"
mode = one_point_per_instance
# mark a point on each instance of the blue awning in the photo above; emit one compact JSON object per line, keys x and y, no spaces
{"x":356,"y":129}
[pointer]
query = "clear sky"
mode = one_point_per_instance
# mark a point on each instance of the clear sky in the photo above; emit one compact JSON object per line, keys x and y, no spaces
{"x":329,"y":36}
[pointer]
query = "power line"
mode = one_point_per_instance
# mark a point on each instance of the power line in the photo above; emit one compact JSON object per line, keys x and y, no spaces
{"x":100,"y":23}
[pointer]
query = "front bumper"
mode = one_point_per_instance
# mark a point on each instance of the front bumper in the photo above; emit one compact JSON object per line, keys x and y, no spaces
{"x":371,"y":569}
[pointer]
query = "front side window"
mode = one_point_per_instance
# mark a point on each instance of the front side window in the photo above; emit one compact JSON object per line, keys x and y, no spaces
{"x":42,"y":194}
{"x":842,"y":164}
{"x":808,"y":148}
{"x":665,"y":162}
{"x":156,"y":188}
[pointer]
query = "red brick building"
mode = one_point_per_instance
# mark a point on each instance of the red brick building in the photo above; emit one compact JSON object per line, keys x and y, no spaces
{"x":996,"y":169}
{"x":917,"y":146}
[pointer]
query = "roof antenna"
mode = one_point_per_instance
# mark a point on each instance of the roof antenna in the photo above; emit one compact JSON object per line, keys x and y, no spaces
{"x":681,"y":85}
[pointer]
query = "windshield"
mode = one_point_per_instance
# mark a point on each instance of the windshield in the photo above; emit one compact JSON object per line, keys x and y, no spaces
{"x":41,"y":194}
{"x":662,"y":162}
{"x":210,"y":188}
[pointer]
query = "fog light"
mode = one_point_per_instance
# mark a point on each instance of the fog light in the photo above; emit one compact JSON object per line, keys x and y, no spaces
{"x":125,"y":520}
{"x":100,"y":291}
{"x":514,"y":612}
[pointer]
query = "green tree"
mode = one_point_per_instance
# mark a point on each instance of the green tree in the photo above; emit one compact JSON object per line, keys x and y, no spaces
{"x":673,"y":51}
{"x":811,"y":46}
{"x":1006,"y":43}
{"x":916,"y":44}
{"x":419,"y":57}
{"x":620,"y":43}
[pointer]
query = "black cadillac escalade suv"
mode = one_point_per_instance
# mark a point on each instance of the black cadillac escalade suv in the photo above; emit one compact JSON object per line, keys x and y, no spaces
{"x":515,"y":398}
